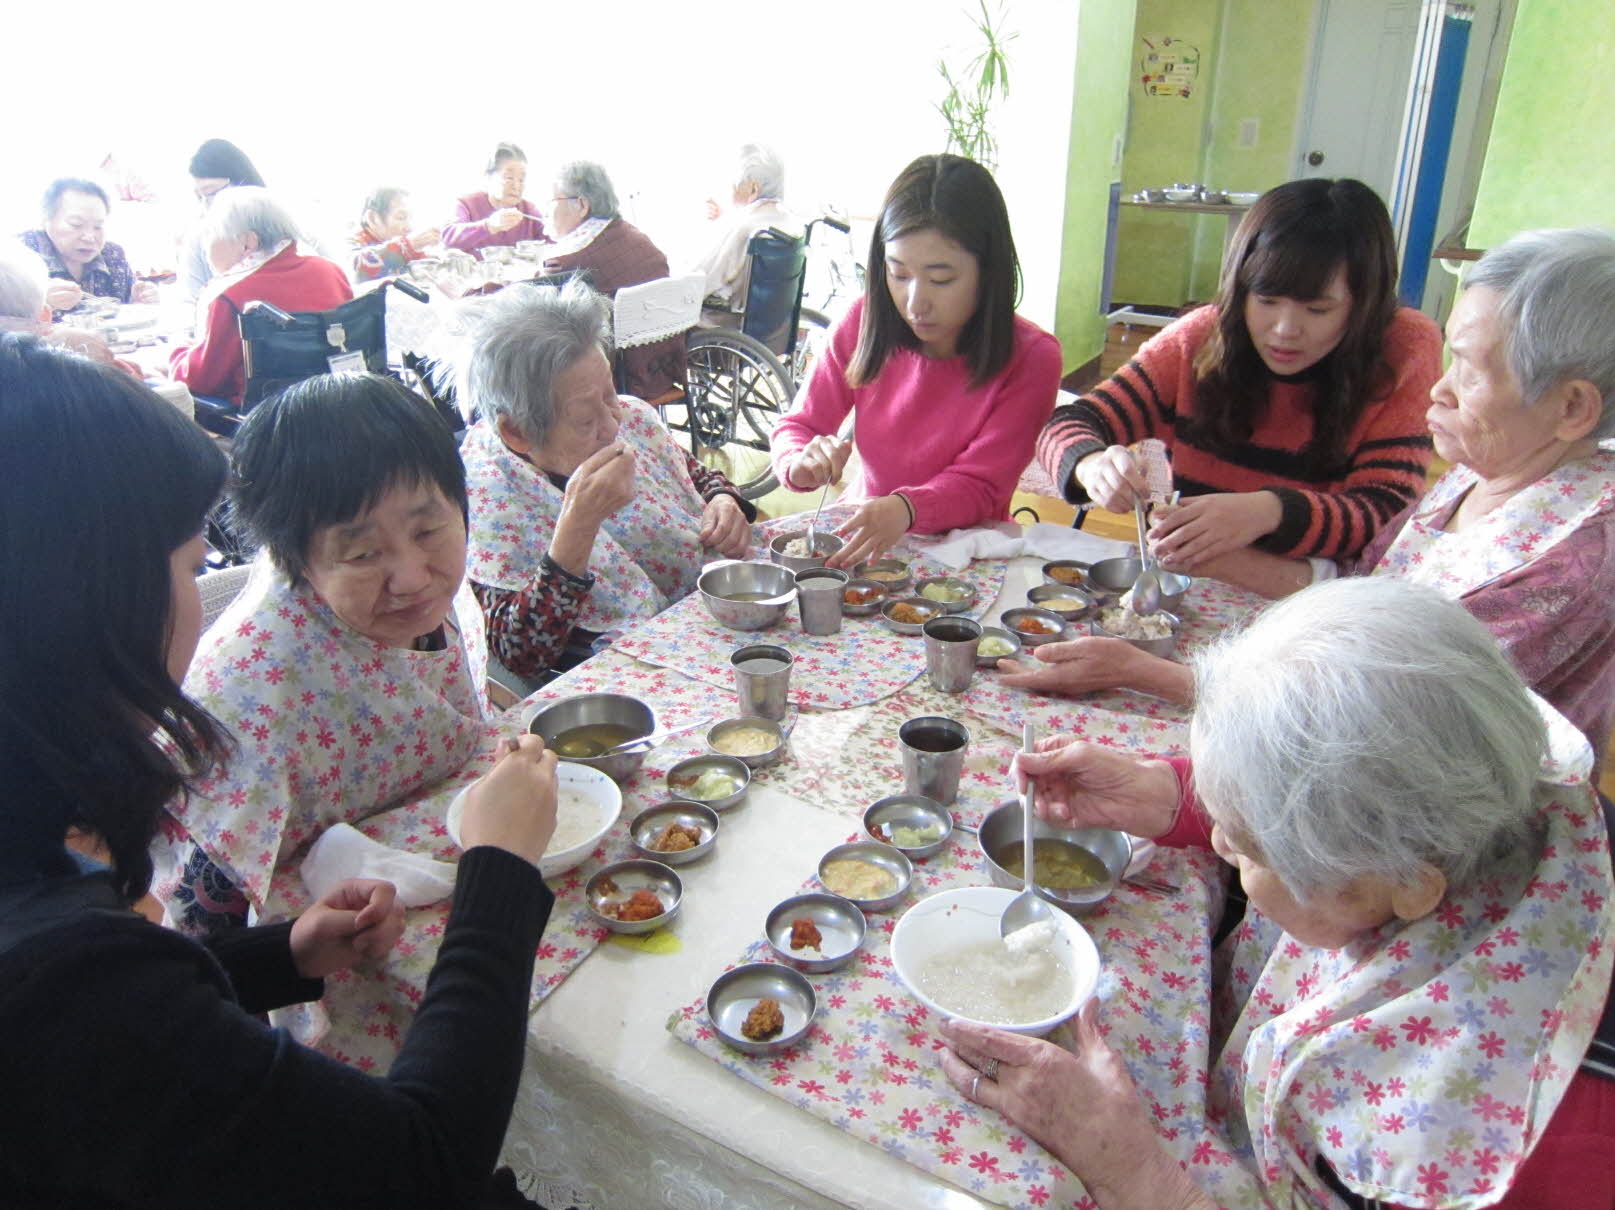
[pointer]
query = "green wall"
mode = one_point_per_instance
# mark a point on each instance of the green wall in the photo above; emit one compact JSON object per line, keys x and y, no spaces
{"x":1098,"y":109}
{"x":1550,"y":161}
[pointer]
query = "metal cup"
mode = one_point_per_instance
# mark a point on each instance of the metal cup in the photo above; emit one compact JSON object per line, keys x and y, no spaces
{"x":950,"y":652}
{"x":933,"y":756}
{"x":818,"y":595}
{"x":762,"y":679}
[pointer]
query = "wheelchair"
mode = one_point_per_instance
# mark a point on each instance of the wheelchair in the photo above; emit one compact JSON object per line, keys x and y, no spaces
{"x":741,"y":380}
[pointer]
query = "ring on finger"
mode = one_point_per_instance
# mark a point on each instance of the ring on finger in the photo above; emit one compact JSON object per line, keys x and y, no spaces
{"x":990,"y":1069}
{"x":974,"y":1085}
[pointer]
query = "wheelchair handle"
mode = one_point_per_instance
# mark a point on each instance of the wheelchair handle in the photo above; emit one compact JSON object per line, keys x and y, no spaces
{"x":409,"y":288}
{"x":276,"y":316}
{"x":835,"y":224}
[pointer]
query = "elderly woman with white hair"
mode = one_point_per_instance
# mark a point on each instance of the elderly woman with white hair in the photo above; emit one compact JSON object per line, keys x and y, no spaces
{"x":593,"y":238}
{"x":585,"y":516}
{"x":251,"y":242}
{"x":1521,"y":531}
{"x":757,"y":204}
{"x":1401,"y":1017}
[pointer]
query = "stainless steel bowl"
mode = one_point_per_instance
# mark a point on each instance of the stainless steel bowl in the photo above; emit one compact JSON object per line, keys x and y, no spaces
{"x":841,"y":931}
{"x":1044,"y":596}
{"x":735,"y":993}
{"x":998,"y":632}
{"x":1011,"y":616}
{"x":1066,"y":566}
{"x":1163,"y":647}
{"x":589,"y":708}
{"x":883,"y":855}
{"x":892,"y":567}
{"x":718,"y":731}
{"x":825,"y":544}
{"x":650,"y":823}
{"x":1109,"y":578}
{"x":962,"y":605}
{"x":863,"y":611}
{"x":909,"y":810}
{"x":1000,"y":831}
{"x":719,"y":584}
{"x":681,"y":775}
{"x":620,"y":879}
{"x":1214,"y":197}
{"x":932,"y":610}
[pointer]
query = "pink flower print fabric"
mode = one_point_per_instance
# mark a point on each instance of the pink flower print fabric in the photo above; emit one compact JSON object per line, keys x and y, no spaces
{"x":647,"y":555}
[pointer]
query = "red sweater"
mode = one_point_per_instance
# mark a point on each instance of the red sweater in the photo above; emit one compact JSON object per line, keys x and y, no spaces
{"x":1153,"y":395}
{"x":214,"y":364}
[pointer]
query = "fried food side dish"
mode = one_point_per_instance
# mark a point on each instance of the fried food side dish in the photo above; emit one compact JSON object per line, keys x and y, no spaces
{"x":675,"y":838}
{"x":641,"y":905}
{"x":910,"y":615}
{"x":764,"y":1020}
{"x":805,"y":934}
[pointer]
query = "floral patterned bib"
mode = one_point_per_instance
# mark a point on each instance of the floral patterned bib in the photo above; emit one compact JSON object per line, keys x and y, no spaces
{"x":330,"y":726}
{"x":646,"y":556}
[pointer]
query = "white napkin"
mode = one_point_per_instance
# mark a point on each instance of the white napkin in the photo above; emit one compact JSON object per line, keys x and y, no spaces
{"x":345,"y":852}
{"x":1005,"y":540}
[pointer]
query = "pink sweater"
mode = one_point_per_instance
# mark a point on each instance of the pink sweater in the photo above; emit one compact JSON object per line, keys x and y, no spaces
{"x":920,"y":429}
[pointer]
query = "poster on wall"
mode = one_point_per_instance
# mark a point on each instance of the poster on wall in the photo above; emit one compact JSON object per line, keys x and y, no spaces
{"x":1168,"y":66}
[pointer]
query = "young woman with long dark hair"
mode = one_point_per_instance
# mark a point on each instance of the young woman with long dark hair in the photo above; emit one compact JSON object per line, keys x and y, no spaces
{"x":134,"y":1070}
{"x":948,"y":386}
{"x":1293,"y":407}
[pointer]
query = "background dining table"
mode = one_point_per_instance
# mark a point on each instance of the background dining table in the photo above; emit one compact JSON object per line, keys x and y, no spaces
{"x":628,"y":1099}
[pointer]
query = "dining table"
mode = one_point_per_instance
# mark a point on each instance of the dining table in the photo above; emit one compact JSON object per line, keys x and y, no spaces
{"x":628,"y":1096}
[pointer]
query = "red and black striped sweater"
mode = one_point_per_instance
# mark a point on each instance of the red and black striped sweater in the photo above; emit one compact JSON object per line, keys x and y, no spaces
{"x":1153,"y":395}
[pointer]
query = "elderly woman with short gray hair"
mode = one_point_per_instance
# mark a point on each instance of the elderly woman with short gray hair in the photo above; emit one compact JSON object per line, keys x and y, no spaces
{"x":592,"y":238}
{"x":585,"y":516}
{"x":1403,"y":1016}
{"x":757,"y":203}
{"x":1521,"y":531}
{"x":251,"y":242}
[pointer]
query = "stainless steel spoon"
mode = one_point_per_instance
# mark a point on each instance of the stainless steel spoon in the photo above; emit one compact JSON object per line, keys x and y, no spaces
{"x":812,"y":538}
{"x":651,"y":740}
{"x":1144,"y":597}
{"x":1028,"y":907}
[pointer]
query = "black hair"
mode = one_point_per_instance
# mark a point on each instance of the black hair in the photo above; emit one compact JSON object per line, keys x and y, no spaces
{"x":223,"y":159}
{"x":381,"y":200}
{"x":502,"y":154}
{"x":957,"y":198}
{"x":1289,"y":245}
{"x":101,"y":481}
{"x":325,"y":450}
{"x":70,"y":184}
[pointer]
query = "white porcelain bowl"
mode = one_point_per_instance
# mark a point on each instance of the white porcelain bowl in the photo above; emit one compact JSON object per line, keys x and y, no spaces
{"x":601,"y":794}
{"x":967,"y":916}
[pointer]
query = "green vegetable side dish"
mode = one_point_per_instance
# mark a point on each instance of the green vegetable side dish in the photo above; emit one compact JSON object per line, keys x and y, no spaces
{"x":995,"y":648}
{"x":942,"y":592}
{"x":712,"y":784}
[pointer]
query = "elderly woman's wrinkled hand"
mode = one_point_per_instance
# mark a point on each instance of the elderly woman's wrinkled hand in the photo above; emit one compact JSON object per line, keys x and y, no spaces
{"x":1083,"y":785}
{"x":1082,"y":1107}
{"x":1076,"y":666}
{"x":820,"y":461}
{"x":503,"y":219}
{"x":724,"y":527}
{"x":1111,"y":478}
{"x":143,"y":292}
{"x":360,"y":918}
{"x":1186,"y":536}
{"x":602,"y":484}
{"x":513,"y":806}
{"x":871,"y":531}
{"x":63,"y":295}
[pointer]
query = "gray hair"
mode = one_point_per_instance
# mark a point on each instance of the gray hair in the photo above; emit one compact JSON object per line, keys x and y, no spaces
{"x":23,"y":281}
{"x":243,"y":208}
{"x":762,"y":165}
{"x":1558,"y":310}
{"x":519,"y":341}
{"x":588,"y":182}
{"x":1361,"y":727}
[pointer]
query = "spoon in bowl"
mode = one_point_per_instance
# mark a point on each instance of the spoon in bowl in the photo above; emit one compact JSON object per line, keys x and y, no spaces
{"x":1144,"y":597}
{"x":812,"y":537}
{"x":651,"y":740}
{"x":1027,"y":907}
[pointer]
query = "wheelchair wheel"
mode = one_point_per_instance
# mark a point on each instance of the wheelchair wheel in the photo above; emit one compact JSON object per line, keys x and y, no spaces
{"x":812,"y":331}
{"x":737,"y":389}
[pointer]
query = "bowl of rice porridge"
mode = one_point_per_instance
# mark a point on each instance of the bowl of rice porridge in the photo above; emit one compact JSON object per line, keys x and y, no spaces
{"x":587,"y":804}
{"x":1156,"y":633}
{"x":947,"y":951}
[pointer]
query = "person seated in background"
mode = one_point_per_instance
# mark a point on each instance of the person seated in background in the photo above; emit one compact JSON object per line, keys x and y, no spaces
{"x":756,"y":204}
{"x":217,"y":165}
{"x":1402,"y":1017}
{"x":585,"y":516}
{"x":23,"y":285}
{"x":1521,"y":531}
{"x":113,"y":1020}
{"x":73,"y":243}
{"x":252,"y":245}
{"x":947,"y":385}
{"x":593,"y":238}
{"x":384,"y":243}
{"x":498,"y":214}
{"x":351,"y":487}
{"x":1292,"y":407}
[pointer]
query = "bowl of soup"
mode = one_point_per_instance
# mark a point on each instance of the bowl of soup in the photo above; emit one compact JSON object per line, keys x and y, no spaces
{"x":747,"y":596}
{"x":580,"y":728}
{"x":1073,"y":868}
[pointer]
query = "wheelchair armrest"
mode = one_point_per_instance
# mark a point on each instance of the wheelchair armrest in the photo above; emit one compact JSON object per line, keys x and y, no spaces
{"x":279,"y":318}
